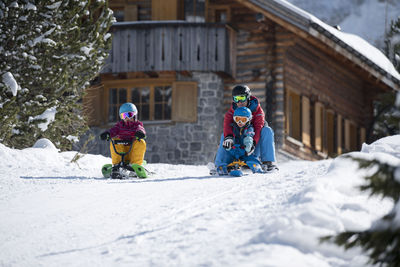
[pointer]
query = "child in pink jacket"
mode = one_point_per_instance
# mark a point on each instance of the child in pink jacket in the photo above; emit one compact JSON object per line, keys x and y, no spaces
{"x":129,"y":128}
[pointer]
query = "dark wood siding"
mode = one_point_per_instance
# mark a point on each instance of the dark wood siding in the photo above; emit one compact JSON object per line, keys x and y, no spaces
{"x":324,"y":79}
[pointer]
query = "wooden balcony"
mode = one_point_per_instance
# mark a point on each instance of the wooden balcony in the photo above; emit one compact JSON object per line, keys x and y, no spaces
{"x":170,"y":46}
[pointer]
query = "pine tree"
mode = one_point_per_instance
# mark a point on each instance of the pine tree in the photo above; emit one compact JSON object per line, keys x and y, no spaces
{"x":52,"y":50}
{"x":393,"y":43}
{"x":387,"y":115}
{"x":382,"y":241}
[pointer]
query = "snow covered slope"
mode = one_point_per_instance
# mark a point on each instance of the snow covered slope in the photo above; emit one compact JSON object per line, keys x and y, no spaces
{"x":57,"y":213}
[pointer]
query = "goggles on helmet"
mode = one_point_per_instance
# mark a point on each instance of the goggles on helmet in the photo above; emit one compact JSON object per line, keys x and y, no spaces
{"x":239,"y":98}
{"x":241,"y":119}
{"x":128,"y":114}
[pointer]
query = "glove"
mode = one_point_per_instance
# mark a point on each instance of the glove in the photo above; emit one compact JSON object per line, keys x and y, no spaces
{"x":140,"y":135}
{"x":248,"y":143}
{"x":253,"y":147}
{"x":228,"y":142}
{"x":105,"y":135}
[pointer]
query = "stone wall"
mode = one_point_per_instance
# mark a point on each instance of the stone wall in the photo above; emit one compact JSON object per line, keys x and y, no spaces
{"x":183,"y":143}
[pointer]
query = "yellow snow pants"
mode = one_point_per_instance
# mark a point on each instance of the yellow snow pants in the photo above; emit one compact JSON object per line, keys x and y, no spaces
{"x":135,"y":156}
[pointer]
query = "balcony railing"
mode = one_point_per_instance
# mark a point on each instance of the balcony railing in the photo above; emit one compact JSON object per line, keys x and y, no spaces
{"x":169,"y":46}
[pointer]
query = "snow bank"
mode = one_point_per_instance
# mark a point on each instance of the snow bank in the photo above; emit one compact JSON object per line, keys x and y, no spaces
{"x":181,"y":215}
{"x":45,"y":144}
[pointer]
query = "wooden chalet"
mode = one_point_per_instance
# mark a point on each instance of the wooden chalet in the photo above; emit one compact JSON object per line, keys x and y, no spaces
{"x":177,"y":61}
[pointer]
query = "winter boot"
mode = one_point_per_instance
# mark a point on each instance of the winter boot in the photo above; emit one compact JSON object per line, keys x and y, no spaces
{"x":212,"y":168}
{"x":269,"y":166}
{"x":115,"y":174}
{"x":222,"y":170}
{"x":255,"y":167}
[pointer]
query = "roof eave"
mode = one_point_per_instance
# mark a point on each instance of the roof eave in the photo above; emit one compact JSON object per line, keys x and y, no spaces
{"x":341,"y":47}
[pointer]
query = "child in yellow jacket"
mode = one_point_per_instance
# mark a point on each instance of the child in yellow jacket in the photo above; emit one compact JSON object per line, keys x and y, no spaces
{"x":129,"y":128}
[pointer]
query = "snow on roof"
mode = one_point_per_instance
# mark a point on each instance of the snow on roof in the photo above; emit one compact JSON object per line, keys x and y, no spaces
{"x":363,"y":47}
{"x":367,"y":51}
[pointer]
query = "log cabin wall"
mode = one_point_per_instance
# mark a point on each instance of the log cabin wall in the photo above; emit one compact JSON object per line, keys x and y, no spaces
{"x":338,"y":101}
{"x":312,"y":73}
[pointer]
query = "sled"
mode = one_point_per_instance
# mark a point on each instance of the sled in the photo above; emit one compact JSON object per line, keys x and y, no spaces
{"x":236,"y":167}
{"x":126,"y":170}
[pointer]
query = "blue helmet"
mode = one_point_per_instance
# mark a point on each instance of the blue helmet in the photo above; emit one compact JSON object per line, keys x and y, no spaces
{"x":243,"y":112}
{"x":128,"y":107}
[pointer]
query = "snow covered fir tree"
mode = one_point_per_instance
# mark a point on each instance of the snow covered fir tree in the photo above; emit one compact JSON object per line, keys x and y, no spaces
{"x":50,"y":51}
{"x":387,"y":108}
{"x":382,"y":241}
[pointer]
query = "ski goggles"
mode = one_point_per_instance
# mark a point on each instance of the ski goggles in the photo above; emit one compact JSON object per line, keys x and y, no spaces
{"x":239,"y":98}
{"x":241,"y":119}
{"x":129,"y":114}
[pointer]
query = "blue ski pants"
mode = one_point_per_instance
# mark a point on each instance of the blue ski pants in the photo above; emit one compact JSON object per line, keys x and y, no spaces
{"x":265,"y":149}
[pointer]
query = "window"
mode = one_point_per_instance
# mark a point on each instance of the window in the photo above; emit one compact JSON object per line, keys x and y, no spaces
{"x":156,"y":100}
{"x":220,"y":14}
{"x":140,"y":96}
{"x":162,"y":102}
{"x":117,"y":96}
{"x":153,"y":102}
{"x":118,"y":13}
{"x":194,"y":10}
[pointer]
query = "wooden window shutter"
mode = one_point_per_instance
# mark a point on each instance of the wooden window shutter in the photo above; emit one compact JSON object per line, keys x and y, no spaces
{"x":318,"y":126}
{"x":166,"y":9}
{"x":92,"y":105}
{"x":353,"y":137}
{"x":363,"y":135}
{"x":294,"y":115}
{"x":131,"y":13}
{"x":339,"y":134}
{"x":306,"y":127}
{"x":347,"y":135}
{"x":184,"y":101}
{"x":330,"y":132}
